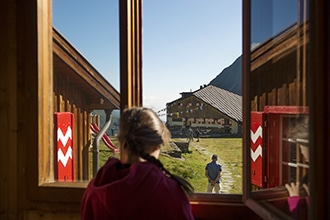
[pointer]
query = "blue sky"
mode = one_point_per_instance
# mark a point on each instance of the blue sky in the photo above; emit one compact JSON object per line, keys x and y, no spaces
{"x":186,"y":43}
{"x":271,"y":17}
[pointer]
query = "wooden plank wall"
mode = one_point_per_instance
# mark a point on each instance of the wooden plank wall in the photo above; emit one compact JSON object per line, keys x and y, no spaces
{"x":68,"y":98}
{"x":276,"y":72}
{"x":275,"y":83}
{"x":207,"y":112}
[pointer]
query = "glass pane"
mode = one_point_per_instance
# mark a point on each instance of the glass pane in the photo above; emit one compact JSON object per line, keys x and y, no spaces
{"x":279,"y":146}
{"x":86,"y":82}
{"x":192,"y":79}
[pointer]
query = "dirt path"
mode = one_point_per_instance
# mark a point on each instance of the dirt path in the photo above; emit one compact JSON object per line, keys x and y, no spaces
{"x":227,"y":180}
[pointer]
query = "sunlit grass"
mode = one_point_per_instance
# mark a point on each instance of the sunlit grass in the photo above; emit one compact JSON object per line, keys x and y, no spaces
{"x":192,"y":165}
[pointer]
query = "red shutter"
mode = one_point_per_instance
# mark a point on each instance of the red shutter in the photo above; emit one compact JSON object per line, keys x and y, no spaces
{"x":64,"y":169}
{"x":256,"y":150}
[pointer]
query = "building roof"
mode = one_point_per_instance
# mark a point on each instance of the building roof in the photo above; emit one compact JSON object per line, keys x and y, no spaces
{"x":68,"y":61}
{"x":226,"y":102}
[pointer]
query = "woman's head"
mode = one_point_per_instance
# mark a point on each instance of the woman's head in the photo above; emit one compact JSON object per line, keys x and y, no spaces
{"x":141,"y":132}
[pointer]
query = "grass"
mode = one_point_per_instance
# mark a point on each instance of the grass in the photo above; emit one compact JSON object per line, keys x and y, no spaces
{"x":192,"y":165}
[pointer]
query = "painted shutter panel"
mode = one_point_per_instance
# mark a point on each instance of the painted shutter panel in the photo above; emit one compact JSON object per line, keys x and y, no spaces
{"x":64,"y":169}
{"x":256,"y":148}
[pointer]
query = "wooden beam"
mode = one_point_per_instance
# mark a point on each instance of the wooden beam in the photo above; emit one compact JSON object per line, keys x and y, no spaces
{"x":130,"y":53}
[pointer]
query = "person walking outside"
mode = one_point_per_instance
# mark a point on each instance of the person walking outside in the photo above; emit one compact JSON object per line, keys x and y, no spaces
{"x":197,"y":132}
{"x":213,"y":174}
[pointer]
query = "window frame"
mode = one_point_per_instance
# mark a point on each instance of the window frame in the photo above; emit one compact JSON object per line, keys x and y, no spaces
{"x":37,"y":35}
{"x":38,"y":159}
{"x":255,"y":200}
{"x":38,"y":190}
{"x":37,"y":39}
{"x":318,"y":109}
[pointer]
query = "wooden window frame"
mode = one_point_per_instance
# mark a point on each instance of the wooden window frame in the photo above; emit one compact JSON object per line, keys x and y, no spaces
{"x":37,"y":159}
{"x":130,"y":53}
{"x":255,"y":200}
{"x":37,"y":68}
{"x":318,"y":110}
{"x":34,"y":161}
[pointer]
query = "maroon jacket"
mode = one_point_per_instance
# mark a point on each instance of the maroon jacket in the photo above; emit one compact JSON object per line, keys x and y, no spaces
{"x":141,"y":191}
{"x":298,"y":207}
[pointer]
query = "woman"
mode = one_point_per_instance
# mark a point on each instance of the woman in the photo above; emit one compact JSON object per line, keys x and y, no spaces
{"x":298,"y":205}
{"x":137,"y":186}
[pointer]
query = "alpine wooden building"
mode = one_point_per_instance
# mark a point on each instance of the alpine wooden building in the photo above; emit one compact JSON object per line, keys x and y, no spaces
{"x":208,"y":107}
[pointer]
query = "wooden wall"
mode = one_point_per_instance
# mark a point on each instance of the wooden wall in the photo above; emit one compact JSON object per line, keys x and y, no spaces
{"x":69,"y":98}
{"x":275,"y":79}
{"x":200,"y":110}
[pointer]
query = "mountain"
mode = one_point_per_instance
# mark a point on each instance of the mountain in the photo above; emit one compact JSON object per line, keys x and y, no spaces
{"x":230,"y":78}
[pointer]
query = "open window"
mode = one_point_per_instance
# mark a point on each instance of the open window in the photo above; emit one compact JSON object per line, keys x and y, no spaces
{"x":276,"y":53}
{"x":68,"y":71}
{"x":71,"y":89}
{"x":192,"y":79}
{"x":288,"y":49}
